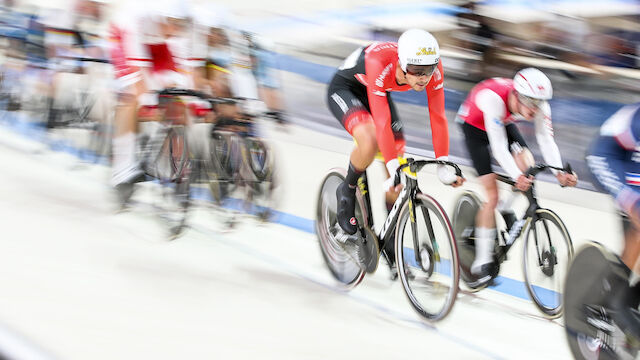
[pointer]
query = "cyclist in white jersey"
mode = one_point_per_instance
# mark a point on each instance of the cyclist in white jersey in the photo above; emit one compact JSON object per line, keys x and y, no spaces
{"x":150,"y":51}
{"x":488,"y":118}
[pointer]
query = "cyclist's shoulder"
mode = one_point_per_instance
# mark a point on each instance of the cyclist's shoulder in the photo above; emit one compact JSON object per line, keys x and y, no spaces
{"x":381,"y":51}
{"x":624,"y":125}
{"x":497,"y":84}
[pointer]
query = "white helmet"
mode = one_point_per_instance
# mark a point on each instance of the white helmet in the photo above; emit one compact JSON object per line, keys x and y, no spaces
{"x":533,"y":83}
{"x":417,"y":47}
{"x":176,"y":9}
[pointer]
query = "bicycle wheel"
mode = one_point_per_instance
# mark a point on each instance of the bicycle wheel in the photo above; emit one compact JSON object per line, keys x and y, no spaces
{"x":226,"y":158}
{"x":340,"y":264}
{"x":464,"y":218}
{"x":548,"y":251}
{"x":172,"y":169}
{"x":590,"y":331}
{"x":261,"y":182}
{"x":427,"y":258}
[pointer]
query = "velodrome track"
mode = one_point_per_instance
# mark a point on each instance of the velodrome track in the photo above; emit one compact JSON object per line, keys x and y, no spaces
{"x":82,"y":282}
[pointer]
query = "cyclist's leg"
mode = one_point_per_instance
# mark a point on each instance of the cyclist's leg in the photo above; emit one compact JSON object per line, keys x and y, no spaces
{"x":131,"y":83}
{"x":348,"y":108}
{"x":478,"y":146}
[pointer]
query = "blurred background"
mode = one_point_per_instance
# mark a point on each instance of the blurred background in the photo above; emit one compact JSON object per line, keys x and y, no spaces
{"x":57,"y":86}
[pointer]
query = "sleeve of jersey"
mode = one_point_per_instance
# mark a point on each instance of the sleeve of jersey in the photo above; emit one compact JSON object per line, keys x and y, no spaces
{"x":437,"y":117}
{"x":544,"y":135}
{"x":380,"y":108}
{"x":608,"y":162}
{"x":492,"y":108}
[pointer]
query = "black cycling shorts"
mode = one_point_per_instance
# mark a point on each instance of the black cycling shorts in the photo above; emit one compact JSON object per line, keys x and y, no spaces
{"x":478,"y":146}
{"x":348,"y":98}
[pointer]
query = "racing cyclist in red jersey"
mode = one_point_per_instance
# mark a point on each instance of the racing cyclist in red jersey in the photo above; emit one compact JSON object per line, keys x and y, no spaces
{"x":359,"y":97}
{"x":488,"y":117}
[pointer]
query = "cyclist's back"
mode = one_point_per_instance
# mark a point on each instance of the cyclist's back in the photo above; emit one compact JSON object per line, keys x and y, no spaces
{"x":472,"y":111}
{"x":614,"y":157}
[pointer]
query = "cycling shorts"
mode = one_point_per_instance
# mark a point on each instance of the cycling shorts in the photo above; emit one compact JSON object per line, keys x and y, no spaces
{"x":350,"y":105}
{"x":479,"y":149}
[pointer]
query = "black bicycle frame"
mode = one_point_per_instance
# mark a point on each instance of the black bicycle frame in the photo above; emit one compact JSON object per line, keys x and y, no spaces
{"x":409,"y":194}
{"x":515,"y":230}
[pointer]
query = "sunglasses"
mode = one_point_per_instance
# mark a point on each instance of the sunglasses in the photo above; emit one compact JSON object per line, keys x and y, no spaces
{"x":421,"y":70}
{"x":529,"y":102}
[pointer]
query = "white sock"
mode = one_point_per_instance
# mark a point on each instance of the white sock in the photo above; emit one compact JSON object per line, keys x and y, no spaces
{"x":124,"y":157}
{"x":485,"y":239}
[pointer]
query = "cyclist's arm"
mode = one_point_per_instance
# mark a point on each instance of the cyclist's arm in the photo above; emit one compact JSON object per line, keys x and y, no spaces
{"x":380,"y":107}
{"x":609,"y":158}
{"x":437,"y":117}
{"x":493,"y":110}
{"x":544,"y":135}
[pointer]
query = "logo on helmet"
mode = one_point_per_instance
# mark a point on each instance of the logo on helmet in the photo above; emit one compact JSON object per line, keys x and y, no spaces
{"x":353,"y":221}
{"x":426,"y":51}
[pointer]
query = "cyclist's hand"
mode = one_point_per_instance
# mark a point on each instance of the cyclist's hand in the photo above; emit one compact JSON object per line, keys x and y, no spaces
{"x":459,"y":181}
{"x":523,"y":183}
{"x":567,"y":179}
{"x":387,"y":186}
{"x":447,"y":175}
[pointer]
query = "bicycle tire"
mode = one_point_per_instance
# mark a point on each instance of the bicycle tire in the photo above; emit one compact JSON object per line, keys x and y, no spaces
{"x":549,"y":303}
{"x":587,"y":287}
{"x":225,"y":155}
{"x":261,"y":184}
{"x":174,"y":180}
{"x":464,"y":217}
{"x":340,"y":265}
{"x":410,"y":263}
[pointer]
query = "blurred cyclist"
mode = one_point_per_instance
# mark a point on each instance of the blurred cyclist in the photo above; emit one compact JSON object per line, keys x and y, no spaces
{"x":488,"y":117}
{"x":149,"y":52}
{"x":359,"y":97}
{"x":614,"y":159}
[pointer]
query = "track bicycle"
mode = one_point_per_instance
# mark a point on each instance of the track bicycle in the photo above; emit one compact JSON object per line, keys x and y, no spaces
{"x":237,"y":159}
{"x":86,"y":110}
{"x":424,"y":243}
{"x":590,"y":329}
{"x":165,"y":158}
{"x":547,"y":248}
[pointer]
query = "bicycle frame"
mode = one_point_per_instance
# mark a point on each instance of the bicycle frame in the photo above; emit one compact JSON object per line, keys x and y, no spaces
{"x":408,"y":193}
{"x":530,"y":216}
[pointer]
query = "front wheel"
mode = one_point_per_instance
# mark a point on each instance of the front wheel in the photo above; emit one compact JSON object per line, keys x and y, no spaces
{"x":548,"y":252}
{"x":427,"y":257}
{"x":590,"y":331}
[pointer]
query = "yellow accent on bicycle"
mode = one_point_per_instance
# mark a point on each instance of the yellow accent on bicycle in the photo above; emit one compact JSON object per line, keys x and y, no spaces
{"x":219,"y":68}
{"x":407,"y":169}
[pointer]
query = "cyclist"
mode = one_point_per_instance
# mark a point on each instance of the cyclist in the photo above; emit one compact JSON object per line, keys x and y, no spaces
{"x":263,"y":67}
{"x":359,"y":97}
{"x":488,"y":117}
{"x":71,"y":36}
{"x":614,"y":159}
{"x":149,"y":52}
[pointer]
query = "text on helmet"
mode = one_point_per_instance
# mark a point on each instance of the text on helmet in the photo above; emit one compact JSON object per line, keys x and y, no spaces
{"x":426,"y":51}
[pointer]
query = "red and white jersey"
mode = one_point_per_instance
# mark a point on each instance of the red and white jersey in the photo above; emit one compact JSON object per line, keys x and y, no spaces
{"x":137,"y":42}
{"x":375,"y":67}
{"x":471,"y":111}
{"x":486,"y":108}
